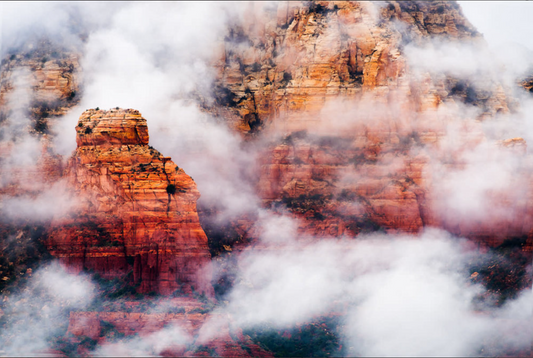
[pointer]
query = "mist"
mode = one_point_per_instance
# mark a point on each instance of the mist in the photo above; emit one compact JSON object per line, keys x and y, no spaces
{"x":408,"y":295}
{"x":22,"y":158}
{"x":39,"y":312}
{"x":162,"y":75}
{"x":393,"y":289}
{"x":153,"y":344}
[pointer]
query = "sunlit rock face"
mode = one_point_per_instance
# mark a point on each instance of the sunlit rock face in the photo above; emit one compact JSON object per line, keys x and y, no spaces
{"x":287,"y":60}
{"x":137,"y":214}
{"x":351,"y":123}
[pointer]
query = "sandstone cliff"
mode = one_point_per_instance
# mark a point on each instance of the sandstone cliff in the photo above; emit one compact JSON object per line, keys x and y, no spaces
{"x":292,"y":72}
{"x":137,"y":212}
{"x":287,"y":75}
{"x":39,"y":82}
{"x":286,"y":61}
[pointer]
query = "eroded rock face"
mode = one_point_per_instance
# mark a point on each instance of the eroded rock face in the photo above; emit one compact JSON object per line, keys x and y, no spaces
{"x":137,"y":214}
{"x":351,"y":127}
{"x":314,"y":177}
{"x":39,"y":82}
{"x":51,"y":79}
{"x":286,"y":61}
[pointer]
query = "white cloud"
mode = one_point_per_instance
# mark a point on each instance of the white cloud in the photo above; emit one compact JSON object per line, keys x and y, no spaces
{"x":40,"y":311}
{"x":403,"y":295}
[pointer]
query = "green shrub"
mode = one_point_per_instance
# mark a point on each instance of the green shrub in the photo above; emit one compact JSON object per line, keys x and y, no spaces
{"x":317,"y":339}
{"x":503,"y":271}
{"x":109,"y":331}
{"x":177,"y":310}
{"x":362,"y":224}
{"x":287,"y":77}
{"x":200,"y":310}
{"x":71,"y":96}
{"x":256,"y":67}
{"x":319,"y":216}
{"x":347,"y":195}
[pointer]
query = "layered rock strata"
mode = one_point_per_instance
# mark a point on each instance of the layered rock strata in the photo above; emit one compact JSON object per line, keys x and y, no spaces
{"x":51,"y":77}
{"x":39,"y":82}
{"x":137,"y":212}
{"x":337,"y":186}
{"x":351,"y":125}
{"x":229,"y":340}
{"x":285,"y":62}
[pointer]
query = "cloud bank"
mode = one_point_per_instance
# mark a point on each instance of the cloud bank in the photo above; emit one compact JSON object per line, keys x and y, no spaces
{"x":400,"y":295}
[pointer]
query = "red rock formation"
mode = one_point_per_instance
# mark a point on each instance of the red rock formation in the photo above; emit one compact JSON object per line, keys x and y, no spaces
{"x":283,"y":64}
{"x":38,"y":82}
{"x":300,"y":67}
{"x":46,"y":78}
{"x":52,"y":76}
{"x":313,"y":175}
{"x":137,"y":210}
{"x":227,"y":342}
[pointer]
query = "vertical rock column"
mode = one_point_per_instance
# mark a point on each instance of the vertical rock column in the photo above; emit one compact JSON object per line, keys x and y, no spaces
{"x":136,"y":217}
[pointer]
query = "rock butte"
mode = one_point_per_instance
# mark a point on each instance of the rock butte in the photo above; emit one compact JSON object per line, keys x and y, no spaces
{"x":136,"y":216}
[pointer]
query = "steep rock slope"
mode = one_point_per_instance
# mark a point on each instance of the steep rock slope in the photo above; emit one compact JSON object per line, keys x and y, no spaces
{"x":285,"y":61}
{"x":350,"y":126}
{"x":137,"y":210}
{"x":38,"y":83}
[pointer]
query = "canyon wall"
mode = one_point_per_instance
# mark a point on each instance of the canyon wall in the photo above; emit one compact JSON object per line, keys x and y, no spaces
{"x":283,"y":63}
{"x":39,"y":82}
{"x":106,"y":327}
{"x":350,"y":125}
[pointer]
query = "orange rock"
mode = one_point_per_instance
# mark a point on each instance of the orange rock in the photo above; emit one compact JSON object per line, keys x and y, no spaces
{"x":137,"y":212}
{"x":303,"y":55}
{"x":52,"y":75}
{"x":517,"y":145}
{"x":303,"y":63}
